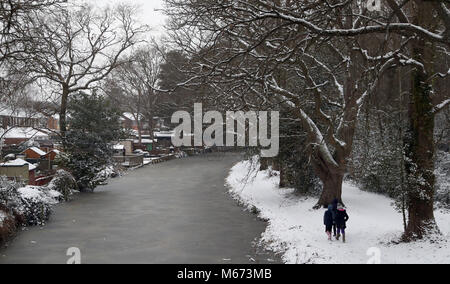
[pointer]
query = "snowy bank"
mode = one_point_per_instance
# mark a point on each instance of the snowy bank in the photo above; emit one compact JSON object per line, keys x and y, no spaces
{"x":296,"y":230}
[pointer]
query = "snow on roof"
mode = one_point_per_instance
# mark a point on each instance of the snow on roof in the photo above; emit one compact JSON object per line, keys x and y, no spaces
{"x":36,"y":150}
{"x":130,"y":116}
{"x":5,"y":111}
{"x":18,"y":163}
{"x":37,"y":193}
{"x":164,"y":134}
{"x":52,"y":151}
{"x":23,"y":112}
{"x":119,"y":147}
{"x":145,"y":141}
{"x":22,"y":132}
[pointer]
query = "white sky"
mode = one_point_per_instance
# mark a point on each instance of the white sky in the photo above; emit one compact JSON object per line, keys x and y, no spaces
{"x":148,"y":14}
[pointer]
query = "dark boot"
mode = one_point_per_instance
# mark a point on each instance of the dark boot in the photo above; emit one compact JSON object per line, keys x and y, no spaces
{"x":338,"y":236}
{"x":343,"y":238}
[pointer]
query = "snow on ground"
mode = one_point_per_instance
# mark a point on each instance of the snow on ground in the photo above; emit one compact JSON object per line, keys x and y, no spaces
{"x":296,"y":230}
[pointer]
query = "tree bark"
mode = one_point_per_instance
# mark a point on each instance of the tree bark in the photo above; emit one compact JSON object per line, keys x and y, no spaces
{"x":420,"y":139}
{"x":420,"y":164}
{"x":332,"y":188}
{"x":264,"y":164}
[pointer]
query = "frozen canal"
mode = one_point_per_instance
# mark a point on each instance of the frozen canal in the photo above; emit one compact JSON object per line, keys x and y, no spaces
{"x":174,"y":212}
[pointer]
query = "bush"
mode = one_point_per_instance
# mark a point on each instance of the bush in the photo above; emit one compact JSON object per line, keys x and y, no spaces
{"x":105,"y":174}
{"x":36,"y":204}
{"x":64,"y":183}
{"x":30,"y":205}
{"x":7,"y":226}
{"x":94,"y":125}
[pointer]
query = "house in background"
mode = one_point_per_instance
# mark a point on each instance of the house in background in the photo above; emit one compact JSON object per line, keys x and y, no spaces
{"x":51,"y":155}
{"x":47,"y":161}
{"x":119,"y":150}
{"x":126,"y":145}
{"x":145,"y":144}
{"x":33,"y":154}
{"x":18,"y":135}
{"x":164,"y":138}
{"x":21,"y":125}
{"x":19,"y":170}
{"x":129,"y":121}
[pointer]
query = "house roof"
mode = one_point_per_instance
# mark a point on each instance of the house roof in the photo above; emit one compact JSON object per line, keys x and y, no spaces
{"x":18,"y":163}
{"x":130,"y":116}
{"x":119,"y":147}
{"x":164,"y":134}
{"x":52,"y":151}
{"x":36,"y":150}
{"x":144,"y":141}
{"x":22,"y":132}
{"x":23,"y":112}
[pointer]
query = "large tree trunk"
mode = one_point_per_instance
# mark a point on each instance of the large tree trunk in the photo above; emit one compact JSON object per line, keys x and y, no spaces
{"x":264,"y":164}
{"x":420,"y":165}
{"x":420,"y":139}
{"x":332,"y":188}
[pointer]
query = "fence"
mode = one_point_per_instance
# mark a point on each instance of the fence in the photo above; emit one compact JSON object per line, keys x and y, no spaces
{"x":129,"y":161}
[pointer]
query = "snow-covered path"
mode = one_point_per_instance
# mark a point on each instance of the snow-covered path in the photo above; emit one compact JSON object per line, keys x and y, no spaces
{"x":174,"y":212}
{"x":297,"y":230}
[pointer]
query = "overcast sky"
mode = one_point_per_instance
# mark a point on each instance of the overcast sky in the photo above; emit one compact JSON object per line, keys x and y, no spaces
{"x":148,"y":14}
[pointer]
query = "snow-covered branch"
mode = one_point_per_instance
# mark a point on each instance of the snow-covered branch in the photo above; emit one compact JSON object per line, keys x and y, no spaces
{"x":441,"y":106}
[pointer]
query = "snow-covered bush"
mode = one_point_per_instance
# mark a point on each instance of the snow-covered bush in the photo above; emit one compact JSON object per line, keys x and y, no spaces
{"x":64,"y":183}
{"x":293,"y":162}
{"x":95,"y":124}
{"x":9,"y":196}
{"x":443,"y":179}
{"x":36,"y":204}
{"x":97,"y":176}
{"x":29,"y":205}
{"x":7,"y":226}
{"x":378,"y":162}
{"x":108,"y":172}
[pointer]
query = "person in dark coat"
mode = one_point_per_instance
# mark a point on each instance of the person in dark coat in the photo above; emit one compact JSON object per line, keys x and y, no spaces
{"x":341,"y":222}
{"x":335,"y":206}
{"x":328,"y":221}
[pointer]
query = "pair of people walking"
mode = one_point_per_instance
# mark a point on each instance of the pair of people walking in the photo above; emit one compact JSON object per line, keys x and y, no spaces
{"x":335,"y":220}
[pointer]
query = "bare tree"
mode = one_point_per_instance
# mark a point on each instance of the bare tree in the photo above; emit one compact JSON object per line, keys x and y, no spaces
{"x":134,"y":85}
{"x":73,"y":48}
{"x":13,"y":15}
{"x":324,"y":59}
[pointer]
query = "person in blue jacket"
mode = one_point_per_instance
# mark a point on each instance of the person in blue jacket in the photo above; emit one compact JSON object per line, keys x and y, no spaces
{"x":341,"y":221}
{"x":328,"y":221}
{"x":335,"y":206}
